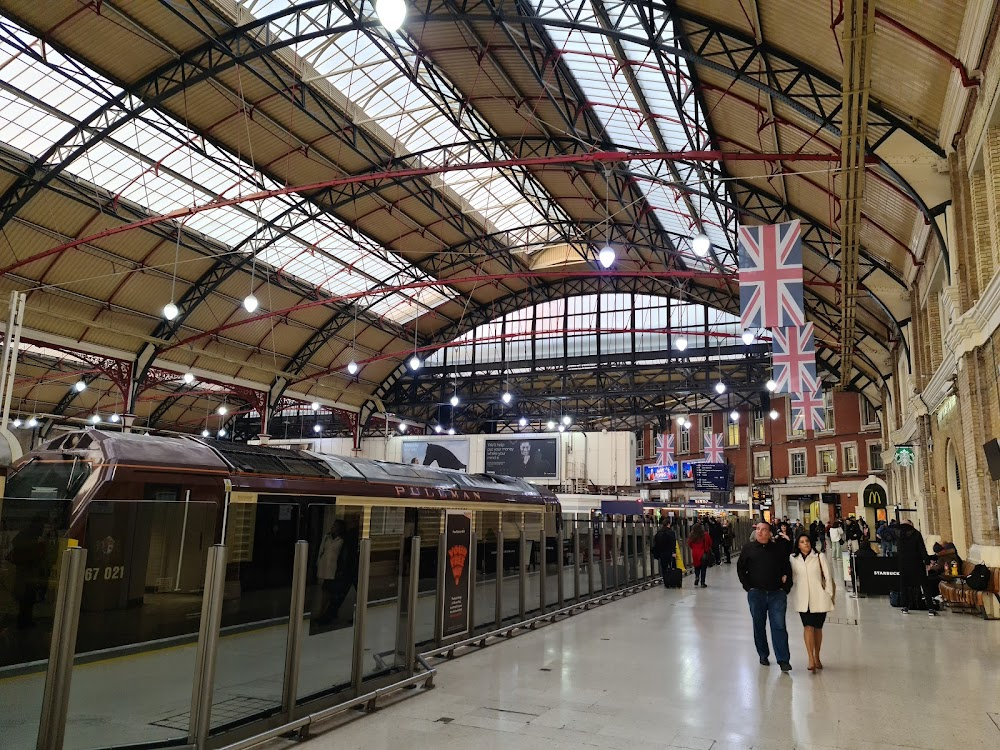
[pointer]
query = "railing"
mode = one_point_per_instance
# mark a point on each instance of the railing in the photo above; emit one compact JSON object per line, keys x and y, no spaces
{"x":585,"y":563}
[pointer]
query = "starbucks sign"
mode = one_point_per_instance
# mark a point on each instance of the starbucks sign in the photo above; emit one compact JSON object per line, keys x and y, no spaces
{"x":905,"y":456}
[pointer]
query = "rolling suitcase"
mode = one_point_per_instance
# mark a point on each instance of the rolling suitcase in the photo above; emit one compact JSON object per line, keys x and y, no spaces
{"x":674,"y":578}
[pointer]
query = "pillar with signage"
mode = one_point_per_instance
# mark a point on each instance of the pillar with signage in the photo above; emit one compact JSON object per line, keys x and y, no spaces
{"x":455,"y":597}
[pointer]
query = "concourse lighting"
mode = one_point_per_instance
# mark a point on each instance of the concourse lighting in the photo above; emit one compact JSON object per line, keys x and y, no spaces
{"x":720,"y":387}
{"x":506,"y":397}
{"x":562,"y":428}
{"x":32,"y":422}
{"x":222,"y":410}
{"x":451,"y":430}
{"x":687,"y":425}
{"x":607,"y":256}
{"x":681,"y":419}
{"x":438,"y":429}
{"x":80,"y":386}
{"x":352,"y":367}
{"x":748,"y":337}
{"x":170,"y":311}
{"x":315,"y":405}
{"x":250,"y":303}
{"x":95,"y":419}
{"x":391,"y":13}
{"x":700,"y":243}
{"x":317,"y":428}
{"x":17,"y":422}
{"x":222,"y":433}
{"x":734,"y":415}
{"x":522,"y":422}
{"x":681,"y":344}
{"x":205,"y":433}
{"x":402,"y":427}
{"x":188,"y":378}
{"x":454,"y":400}
{"x":114,"y":417}
{"x":567,"y":420}
{"x":415,"y":363}
{"x":551,"y":425}
{"x":771,"y":385}
{"x":773,"y":414}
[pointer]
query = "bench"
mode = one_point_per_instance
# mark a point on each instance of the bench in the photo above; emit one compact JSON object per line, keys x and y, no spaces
{"x":957,"y":594}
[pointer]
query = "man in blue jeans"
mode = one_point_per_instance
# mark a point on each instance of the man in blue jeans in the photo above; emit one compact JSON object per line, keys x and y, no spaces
{"x":766,"y":574}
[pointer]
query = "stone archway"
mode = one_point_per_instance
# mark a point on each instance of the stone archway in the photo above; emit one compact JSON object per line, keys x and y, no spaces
{"x":956,"y":503}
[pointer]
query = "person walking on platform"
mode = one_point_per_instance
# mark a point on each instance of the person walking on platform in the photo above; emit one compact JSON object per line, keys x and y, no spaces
{"x":727,"y":540}
{"x":836,"y":539}
{"x":701,"y":550}
{"x":765,"y":571}
{"x":911,"y":552}
{"x":812,"y":595}
{"x":714,"y":530}
{"x":665,"y":548}
{"x":326,"y":570}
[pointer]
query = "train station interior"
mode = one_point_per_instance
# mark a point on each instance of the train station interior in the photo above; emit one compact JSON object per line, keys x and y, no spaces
{"x":386,"y":374}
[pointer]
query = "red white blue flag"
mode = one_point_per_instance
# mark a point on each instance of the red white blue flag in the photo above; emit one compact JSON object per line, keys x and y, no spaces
{"x":808,"y":412}
{"x":793,"y":353}
{"x":665,"y":449}
{"x":713,"y":449}
{"x":771,"y":276}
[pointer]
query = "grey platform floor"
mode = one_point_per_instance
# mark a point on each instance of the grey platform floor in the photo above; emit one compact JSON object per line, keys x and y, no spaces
{"x":677,"y":669}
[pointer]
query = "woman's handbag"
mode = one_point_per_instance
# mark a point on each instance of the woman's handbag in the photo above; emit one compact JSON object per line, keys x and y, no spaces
{"x":708,"y":559}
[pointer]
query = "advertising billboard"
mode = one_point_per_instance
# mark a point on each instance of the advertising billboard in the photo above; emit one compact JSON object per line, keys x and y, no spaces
{"x":526,"y":456}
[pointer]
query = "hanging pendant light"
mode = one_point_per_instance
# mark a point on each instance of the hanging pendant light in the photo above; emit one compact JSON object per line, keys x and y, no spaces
{"x":222,"y":432}
{"x":747,"y":337}
{"x":114,"y":418}
{"x":205,"y":433}
{"x":95,"y":418}
{"x":771,"y":385}
{"x":402,"y":427}
{"x":438,"y":429}
{"x":17,"y":422}
{"x":701,"y":244}
{"x":188,"y":378}
{"x":352,"y":367}
{"x":250,"y":303}
{"x":774,"y":414}
{"x":32,"y":422}
{"x":170,"y":310}
{"x":222,"y":410}
{"x":391,"y":14}
{"x":506,"y":397}
{"x":681,"y":344}
{"x":607,"y":256}
{"x":415,"y":363}
{"x":454,"y":400}
{"x":734,"y":415}
{"x":720,"y":387}
{"x":317,"y":428}
{"x":451,"y":430}
{"x":522,"y":422}
{"x":80,"y":386}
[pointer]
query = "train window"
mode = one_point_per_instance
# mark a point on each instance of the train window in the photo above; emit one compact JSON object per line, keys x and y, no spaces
{"x":341,"y":467}
{"x":50,"y":480}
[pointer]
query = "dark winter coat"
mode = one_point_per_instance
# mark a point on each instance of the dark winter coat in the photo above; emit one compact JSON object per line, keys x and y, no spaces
{"x":664,"y":543}
{"x":911,"y":552}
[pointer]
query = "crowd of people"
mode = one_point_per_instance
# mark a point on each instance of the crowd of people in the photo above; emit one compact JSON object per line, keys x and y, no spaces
{"x":785,"y":564}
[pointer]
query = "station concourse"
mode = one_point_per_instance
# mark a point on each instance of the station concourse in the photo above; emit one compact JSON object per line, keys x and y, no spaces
{"x":366,"y":363}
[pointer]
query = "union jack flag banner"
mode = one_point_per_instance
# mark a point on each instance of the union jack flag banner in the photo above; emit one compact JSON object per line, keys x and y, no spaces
{"x":808,"y":412}
{"x":713,"y":449}
{"x":665,"y":450}
{"x":771,"y":276}
{"x":793,"y":353}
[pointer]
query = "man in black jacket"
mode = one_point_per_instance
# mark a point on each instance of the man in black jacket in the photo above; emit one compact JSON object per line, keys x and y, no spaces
{"x":913,"y":558}
{"x":665,"y":548}
{"x":766,"y":574}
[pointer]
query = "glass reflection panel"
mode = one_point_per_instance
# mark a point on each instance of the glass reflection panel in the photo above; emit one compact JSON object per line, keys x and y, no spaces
{"x":487,"y":535}
{"x":384,"y":627}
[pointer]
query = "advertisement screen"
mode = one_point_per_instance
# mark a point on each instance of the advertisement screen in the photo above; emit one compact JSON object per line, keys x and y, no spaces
{"x":444,"y":454}
{"x":524,"y":457}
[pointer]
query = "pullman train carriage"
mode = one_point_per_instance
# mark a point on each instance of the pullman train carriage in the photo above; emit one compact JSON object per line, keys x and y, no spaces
{"x":147,"y":508}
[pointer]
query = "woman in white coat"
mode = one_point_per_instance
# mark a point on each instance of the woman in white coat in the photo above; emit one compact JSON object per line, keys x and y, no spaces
{"x":812,"y":595}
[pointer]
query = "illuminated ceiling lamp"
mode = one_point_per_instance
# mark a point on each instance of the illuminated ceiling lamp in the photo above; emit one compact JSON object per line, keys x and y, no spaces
{"x":701,"y":244}
{"x":222,"y":432}
{"x":402,"y":427}
{"x":748,"y":337}
{"x":80,"y":386}
{"x":16,"y":422}
{"x":391,"y":14}
{"x":681,"y":343}
{"x":567,"y":420}
{"x":114,"y":417}
{"x":522,"y":422}
{"x":95,"y":419}
{"x":222,"y":410}
{"x":188,"y":378}
{"x":32,"y":422}
{"x":734,"y":415}
{"x":506,"y":397}
{"x":250,"y":303}
{"x":451,"y":430}
{"x":438,"y":429}
{"x":317,"y":428}
{"x":171,"y":311}
{"x":205,"y":433}
{"x":774,"y":414}
{"x":352,"y":367}
{"x":551,"y":425}
{"x":454,"y":400}
{"x":687,"y":424}
{"x":315,"y":405}
{"x":771,"y":385}
{"x":607,"y":256}
{"x":720,"y":387}
{"x":681,"y":419}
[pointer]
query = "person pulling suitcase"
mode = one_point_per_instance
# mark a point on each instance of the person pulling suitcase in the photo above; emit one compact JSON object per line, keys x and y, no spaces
{"x":664,"y":549}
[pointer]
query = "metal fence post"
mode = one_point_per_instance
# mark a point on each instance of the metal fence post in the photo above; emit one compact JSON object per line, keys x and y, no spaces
{"x":411,"y":604}
{"x":560,"y":569}
{"x":293,"y":641}
{"x":590,"y":558}
{"x":360,"y":615}
{"x":62,"y":650}
{"x":644,"y":535}
{"x":604,"y":556}
{"x":442,"y":571}
{"x":576,"y":561}
{"x":522,"y":593}
{"x":634,"y":563}
{"x":498,"y":618}
{"x":208,"y":647}
{"x":543,"y":569}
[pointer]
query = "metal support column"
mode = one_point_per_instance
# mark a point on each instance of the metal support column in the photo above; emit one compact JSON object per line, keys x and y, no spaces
{"x":604,"y":555}
{"x":11,"y":344}
{"x":590,"y":559}
{"x":498,"y":619}
{"x":473,"y":575}
{"x":576,"y":561}
{"x":208,"y":647}
{"x":411,"y":605}
{"x":644,"y":536}
{"x":62,"y":650}
{"x":360,"y":616}
{"x":522,"y":594}
{"x":293,"y":640}
{"x":442,"y":571}
{"x":543,"y":569}
{"x":560,"y":569}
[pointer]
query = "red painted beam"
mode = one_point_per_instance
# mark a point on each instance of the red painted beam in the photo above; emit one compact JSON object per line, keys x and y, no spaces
{"x":597,"y":157}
